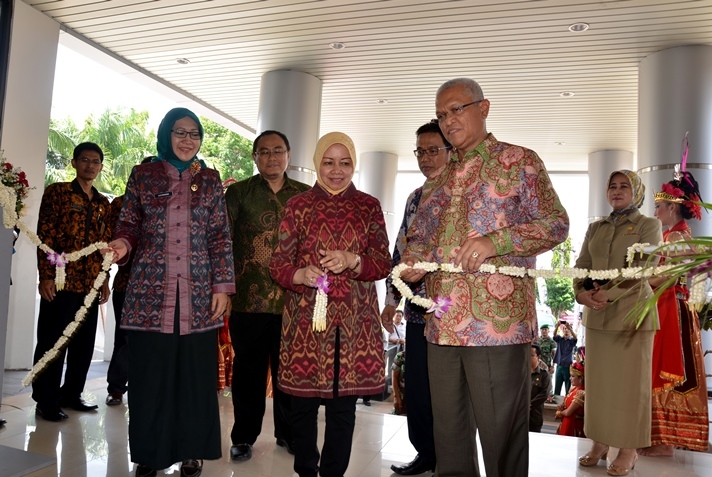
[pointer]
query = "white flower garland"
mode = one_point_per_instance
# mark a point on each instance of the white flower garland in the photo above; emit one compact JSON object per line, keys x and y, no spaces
{"x":8,"y":202}
{"x":698,"y":288}
{"x":72,"y":327}
{"x":322,"y":299}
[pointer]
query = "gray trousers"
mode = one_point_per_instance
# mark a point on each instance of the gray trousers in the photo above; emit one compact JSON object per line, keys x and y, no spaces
{"x":485,"y":389}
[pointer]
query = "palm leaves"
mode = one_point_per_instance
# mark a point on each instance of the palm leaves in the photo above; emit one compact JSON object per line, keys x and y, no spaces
{"x":125,"y":138}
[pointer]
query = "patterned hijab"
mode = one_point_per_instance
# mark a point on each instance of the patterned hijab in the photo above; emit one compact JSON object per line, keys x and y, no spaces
{"x":325,"y":142}
{"x":163,"y":142}
{"x":638,"y":189}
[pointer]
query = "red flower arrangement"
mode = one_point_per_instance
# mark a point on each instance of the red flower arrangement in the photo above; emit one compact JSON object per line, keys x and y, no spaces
{"x":16,"y":179}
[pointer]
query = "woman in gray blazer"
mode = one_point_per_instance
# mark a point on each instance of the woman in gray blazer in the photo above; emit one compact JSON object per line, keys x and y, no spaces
{"x":618,"y":357}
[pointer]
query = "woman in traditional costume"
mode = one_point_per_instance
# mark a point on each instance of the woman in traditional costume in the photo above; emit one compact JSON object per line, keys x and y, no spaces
{"x":332,"y":239}
{"x":680,"y":415}
{"x":618,"y":356}
{"x":174,"y":217}
{"x":571,"y":411}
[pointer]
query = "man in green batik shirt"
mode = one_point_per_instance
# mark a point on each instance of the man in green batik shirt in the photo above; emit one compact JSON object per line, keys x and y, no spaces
{"x":255,"y":207}
{"x":548,"y":347}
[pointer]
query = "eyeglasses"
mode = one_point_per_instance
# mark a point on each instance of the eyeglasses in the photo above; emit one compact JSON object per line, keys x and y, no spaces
{"x":431,"y":151}
{"x":455,"y":111}
{"x":181,"y":133}
{"x":265,"y":153}
{"x":86,"y":160}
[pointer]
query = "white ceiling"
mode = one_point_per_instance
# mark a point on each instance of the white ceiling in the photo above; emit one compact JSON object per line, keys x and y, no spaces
{"x":520,"y":51}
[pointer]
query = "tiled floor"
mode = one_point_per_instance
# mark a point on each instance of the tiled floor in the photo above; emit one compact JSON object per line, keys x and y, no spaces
{"x":95,"y":444}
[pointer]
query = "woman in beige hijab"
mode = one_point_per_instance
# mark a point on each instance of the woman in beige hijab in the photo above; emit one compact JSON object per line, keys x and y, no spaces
{"x":333,"y":233}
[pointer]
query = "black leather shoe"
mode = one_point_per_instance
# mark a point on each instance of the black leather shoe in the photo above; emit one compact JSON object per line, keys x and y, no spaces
{"x":2,"y":422}
{"x":417,"y":466}
{"x":114,"y":399}
{"x":53,"y":415}
{"x":145,"y":471}
{"x":80,"y":405}
{"x":191,"y":468}
{"x":284,"y":443}
{"x":366,"y":402}
{"x":241,"y":452}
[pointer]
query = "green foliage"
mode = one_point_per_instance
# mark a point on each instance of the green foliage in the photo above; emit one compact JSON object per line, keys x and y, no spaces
{"x":126,"y":139}
{"x":559,"y":291}
{"x":559,"y":295}
{"x":226,"y":151}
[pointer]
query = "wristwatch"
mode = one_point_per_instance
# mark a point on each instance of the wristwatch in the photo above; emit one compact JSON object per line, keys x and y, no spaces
{"x":358,"y":262}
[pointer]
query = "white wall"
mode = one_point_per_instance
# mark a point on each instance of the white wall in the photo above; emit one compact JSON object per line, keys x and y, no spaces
{"x":28,"y":103}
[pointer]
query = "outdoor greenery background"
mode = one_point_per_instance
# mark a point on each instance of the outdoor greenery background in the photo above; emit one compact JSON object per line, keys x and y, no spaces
{"x":125,"y":138}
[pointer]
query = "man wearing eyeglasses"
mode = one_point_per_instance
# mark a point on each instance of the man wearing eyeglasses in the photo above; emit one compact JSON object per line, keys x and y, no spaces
{"x":73,"y":215}
{"x":433,"y":152}
{"x":255,"y":210}
{"x":493,"y":204}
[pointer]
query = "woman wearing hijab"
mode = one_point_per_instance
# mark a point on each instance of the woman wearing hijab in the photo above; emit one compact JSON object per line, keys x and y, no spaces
{"x":618,"y":357}
{"x":333,"y":232}
{"x":174,"y":217}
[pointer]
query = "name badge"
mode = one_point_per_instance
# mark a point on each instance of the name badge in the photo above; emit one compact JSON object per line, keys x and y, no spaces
{"x":164,"y":194}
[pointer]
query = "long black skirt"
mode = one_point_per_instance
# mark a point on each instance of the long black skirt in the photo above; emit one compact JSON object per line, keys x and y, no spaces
{"x":173,"y":402}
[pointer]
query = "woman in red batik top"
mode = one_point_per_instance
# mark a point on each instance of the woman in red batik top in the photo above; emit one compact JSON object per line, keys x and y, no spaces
{"x":331,"y":232}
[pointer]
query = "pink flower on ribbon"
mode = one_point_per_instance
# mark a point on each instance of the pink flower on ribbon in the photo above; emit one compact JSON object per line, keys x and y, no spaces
{"x":441,"y":306}
{"x":322,"y":284}
{"x":58,"y":259}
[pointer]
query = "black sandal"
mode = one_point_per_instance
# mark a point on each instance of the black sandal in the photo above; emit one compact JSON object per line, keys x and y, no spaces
{"x":191,"y":468}
{"x":145,"y":471}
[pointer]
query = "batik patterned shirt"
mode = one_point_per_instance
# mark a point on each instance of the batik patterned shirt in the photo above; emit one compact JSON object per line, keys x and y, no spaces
{"x":68,"y":222}
{"x":121,"y":279}
{"x":413,"y":313}
{"x":255,"y":212}
{"x":176,"y":224}
{"x":313,"y":221}
{"x":503,"y":192}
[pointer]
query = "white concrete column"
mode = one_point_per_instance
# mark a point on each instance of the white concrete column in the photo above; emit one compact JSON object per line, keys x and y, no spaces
{"x":600,"y":166}
{"x":674,"y":97}
{"x":290,"y":102}
{"x":28,"y":101}
{"x":377,"y":176}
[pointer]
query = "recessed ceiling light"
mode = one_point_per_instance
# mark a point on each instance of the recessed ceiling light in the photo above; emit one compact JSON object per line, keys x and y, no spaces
{"x":183,"y":61}
{"x":382,"y":101}
{"x":578,"y":27}
{"x":566,"y":94}
{"x":337,"y":45}
{"x":560,"y":143}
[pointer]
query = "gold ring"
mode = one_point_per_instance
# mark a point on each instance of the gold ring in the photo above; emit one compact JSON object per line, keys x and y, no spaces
{"x":475,"y":254}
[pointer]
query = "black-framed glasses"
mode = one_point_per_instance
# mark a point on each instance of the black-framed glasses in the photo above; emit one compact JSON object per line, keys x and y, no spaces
{"x":456,"y":111}
{"x":181,"y":133}
{"x":431,"y":151}
{"x":265,"y":153}
{"x":86,"y":160}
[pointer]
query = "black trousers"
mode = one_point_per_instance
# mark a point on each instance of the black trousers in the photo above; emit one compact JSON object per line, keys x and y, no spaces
{"x":256,"y":338}
{"x":54,"y":316}
{"x":338,"y":435}
{"x":417,"y":393}
{"x":118,"y":373}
